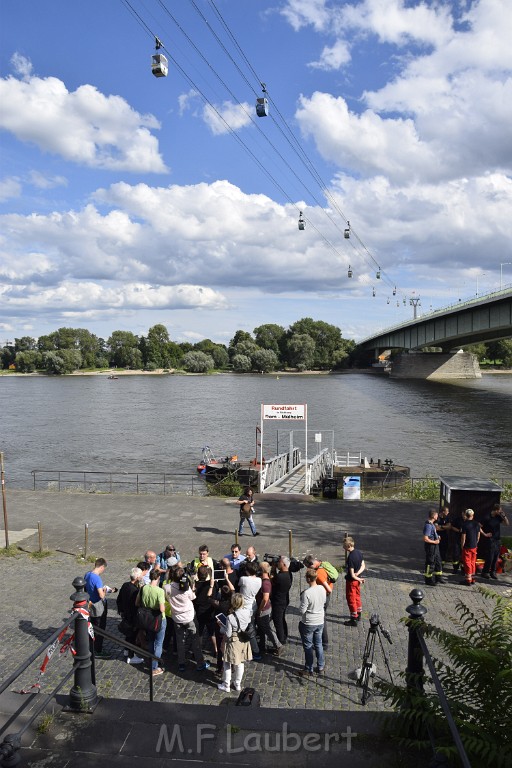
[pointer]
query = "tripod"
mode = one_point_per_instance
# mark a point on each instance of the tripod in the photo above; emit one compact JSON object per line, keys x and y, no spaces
{"x":367,"y":666}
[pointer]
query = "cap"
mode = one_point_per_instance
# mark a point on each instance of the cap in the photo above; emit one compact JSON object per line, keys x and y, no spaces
{"x":172,"y":561}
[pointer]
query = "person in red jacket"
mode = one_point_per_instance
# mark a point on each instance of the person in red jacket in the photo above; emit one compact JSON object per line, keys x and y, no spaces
{"x":355,"y":567}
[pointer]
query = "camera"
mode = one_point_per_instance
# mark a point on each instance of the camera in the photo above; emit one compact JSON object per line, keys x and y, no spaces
{"x":271,"y":559}
{"x":184,"y":583}
{"x":375,"y":624}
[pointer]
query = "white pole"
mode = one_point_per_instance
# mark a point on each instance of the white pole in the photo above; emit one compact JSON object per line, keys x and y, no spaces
{"x":306,"y":485}
{"x":261,"y":451}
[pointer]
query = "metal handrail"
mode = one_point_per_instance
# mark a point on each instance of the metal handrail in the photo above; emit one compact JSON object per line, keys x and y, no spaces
{"x":36,"y":653}
{"x":83,"y":477}
{"x":444,"y":703}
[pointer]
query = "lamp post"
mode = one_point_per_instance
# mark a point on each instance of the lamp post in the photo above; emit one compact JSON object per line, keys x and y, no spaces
{"x":504,"y":264}
{"x":482,"y":274}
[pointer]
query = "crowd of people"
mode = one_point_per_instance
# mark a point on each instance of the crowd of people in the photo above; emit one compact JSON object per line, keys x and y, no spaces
{"x":236,"y":604}
{"x":456,"y":537}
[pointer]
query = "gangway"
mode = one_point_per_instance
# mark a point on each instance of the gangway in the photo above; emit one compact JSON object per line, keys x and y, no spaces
{"x":301,"y":478}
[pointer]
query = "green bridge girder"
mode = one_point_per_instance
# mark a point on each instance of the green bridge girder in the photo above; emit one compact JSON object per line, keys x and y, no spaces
{"x":487,"y":318}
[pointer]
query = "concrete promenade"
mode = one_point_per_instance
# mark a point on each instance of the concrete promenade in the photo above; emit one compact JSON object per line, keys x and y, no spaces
{"x":35,"y":592}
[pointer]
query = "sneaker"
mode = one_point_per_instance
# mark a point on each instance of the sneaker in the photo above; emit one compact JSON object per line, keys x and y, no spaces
{"x":223,"y":687}
{"x":203,"y":666}
{"x":305,"y":673}
{"x":134,"y":660}
{"x":351,"y":623}
{"x":256,"y":534}
{"x":257,"y":657}
{"x":157,"y":671}
{"x":493,"y":576}
{"x":320,"y":671}
{"x":182,"y":667}
{"x":278,"y":651}
{"x":237,"y":687}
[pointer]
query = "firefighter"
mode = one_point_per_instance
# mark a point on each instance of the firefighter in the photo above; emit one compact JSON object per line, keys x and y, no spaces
{"x":433,"y":566}
{"x":443,"y":526}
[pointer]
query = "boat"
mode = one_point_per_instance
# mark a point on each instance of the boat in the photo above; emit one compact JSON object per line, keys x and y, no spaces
{"x":379,"y":472}
{"x":113,"y":377}
{"x":214,"y":468}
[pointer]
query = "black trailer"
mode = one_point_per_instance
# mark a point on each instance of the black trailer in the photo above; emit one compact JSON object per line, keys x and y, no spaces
{"x":461,"y":493}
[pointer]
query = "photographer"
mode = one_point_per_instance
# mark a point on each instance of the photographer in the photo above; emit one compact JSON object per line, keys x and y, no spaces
{"x":491,"y":530}
{"x":237,"y":648}
{"x":181,"y":599}
{"x":281,"y":585}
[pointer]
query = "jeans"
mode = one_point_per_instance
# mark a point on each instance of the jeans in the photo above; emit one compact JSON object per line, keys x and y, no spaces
{"x":188,"y":638}
{"x":251,"y":525}
{"x":311,"y":637}
{"x":156,"y":641}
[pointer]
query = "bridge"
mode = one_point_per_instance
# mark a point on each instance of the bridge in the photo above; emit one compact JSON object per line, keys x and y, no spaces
{"x":290,"y":473}
{"x":485,"y":318}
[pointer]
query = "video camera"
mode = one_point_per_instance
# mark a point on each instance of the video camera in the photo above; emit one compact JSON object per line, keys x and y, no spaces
{"x":375,"y":624}
{"x":271,"y":559}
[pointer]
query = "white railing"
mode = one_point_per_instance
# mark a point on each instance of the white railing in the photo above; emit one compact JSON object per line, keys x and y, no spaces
{"x":317,"y":469}
{"x":347,"y":459}
{"x":278,"y":467}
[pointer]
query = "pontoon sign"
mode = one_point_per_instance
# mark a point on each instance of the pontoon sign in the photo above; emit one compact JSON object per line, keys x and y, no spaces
{"x":291,"y":412}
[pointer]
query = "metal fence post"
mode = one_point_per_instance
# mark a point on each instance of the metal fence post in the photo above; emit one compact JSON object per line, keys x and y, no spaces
{"x":83,"y":696}
{"x":414,"y":673}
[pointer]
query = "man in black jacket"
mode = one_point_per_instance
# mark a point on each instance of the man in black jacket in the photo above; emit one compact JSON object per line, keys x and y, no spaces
{"x":281,"y":585}
{"x":127,"y":610}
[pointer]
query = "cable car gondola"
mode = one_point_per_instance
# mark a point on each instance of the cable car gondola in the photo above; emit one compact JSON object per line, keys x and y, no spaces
{"x":302,"y":223}
{"x":262,"y":106}
{"x":346,"y":233}
{"x":159,"y":63}
{"x":378,"y":274}
{"x":350,"y":272}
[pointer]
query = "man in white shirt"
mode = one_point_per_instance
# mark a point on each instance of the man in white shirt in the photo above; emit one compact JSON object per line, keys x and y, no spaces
{"x":249,"y":586}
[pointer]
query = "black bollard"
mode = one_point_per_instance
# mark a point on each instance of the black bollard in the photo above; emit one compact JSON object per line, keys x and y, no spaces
{"x":82,"y":696}
{"x":414,"y":673}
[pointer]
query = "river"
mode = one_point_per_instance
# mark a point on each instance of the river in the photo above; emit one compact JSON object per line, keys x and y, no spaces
{"x":160,"y":423}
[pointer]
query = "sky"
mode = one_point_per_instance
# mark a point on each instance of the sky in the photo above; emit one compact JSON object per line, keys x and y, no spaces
{"x":128,"y":200}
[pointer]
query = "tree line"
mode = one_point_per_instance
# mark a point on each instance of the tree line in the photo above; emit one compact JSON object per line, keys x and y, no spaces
{"x":305,"y":345}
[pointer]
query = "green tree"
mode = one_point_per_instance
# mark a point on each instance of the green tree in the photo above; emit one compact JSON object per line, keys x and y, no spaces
{"x":500,"y":351}
{"x":124,"y":350}
{"x":7,"y":357}
{"x":301,"y":351}
{"x":63,"y":361}
{"x":327,"y":339}
{"x":242,"y":363}
{"x":264,"y":360}
{"x":157,"y":346}
{"x":217,"y":351}
{"x":28,"y":362}
{"x":25,"y":344}
{"x":197,"y":362}
{"x":271,"y":336}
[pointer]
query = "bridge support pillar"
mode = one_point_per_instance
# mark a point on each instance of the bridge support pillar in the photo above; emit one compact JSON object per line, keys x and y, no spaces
{"x":436,"y":365}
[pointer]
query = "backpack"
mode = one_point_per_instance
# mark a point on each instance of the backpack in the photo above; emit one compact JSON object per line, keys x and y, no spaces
{"x":332,"y":573}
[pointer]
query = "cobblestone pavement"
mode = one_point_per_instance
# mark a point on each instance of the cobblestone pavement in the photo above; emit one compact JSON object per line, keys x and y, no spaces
{"x":35,"y":592}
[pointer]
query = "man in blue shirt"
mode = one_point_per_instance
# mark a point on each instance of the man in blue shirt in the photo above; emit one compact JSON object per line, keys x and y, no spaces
{"x":97,"y":595}
{"x":235,"y":558}
{"x":433,"y":566}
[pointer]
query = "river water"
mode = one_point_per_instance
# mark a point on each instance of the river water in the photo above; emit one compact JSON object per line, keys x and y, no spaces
{"x":160,"y":423}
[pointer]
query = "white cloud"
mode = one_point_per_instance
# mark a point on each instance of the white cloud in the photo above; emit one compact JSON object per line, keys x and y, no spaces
{"x":333,"y":57}
{"x":83,"y":126}
{"x":21,"y":65}
{"x":41,"y":181}
{"x":221,"y":118}
{"x":9,"y":188}
{"x":70,"y":296}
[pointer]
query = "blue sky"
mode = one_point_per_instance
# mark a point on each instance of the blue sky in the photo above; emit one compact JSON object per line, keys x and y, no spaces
{"x":128,"y":200}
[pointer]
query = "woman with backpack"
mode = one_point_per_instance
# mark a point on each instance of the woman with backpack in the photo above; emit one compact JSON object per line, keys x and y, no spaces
{"x":237,"y":648}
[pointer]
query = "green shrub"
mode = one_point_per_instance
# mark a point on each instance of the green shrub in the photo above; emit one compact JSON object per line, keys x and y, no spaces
{"x":229,"y":486}
{"x":475,"y":670}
